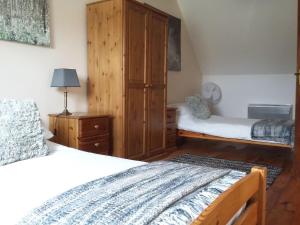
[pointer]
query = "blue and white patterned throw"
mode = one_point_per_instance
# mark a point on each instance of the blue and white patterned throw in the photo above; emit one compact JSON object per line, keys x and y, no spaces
{"x":157,"y":193}
{"x":281,"y":131}
{"x":21,"y":133}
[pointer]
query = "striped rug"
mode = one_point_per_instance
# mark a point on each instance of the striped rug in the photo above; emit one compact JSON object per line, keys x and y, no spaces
{"x":273,"y":172}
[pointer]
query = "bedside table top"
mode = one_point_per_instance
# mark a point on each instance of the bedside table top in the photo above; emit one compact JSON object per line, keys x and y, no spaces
{"x":80,"y":115}
{"x":171,"y":108}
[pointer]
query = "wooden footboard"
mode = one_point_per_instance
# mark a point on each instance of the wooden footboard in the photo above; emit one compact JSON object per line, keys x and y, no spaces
{"x":249,"y":191}
{"x":190,"y":134}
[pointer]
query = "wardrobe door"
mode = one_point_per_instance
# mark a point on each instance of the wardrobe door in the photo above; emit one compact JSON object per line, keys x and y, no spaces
{"x":157,"y":71}
{"x":135,"y":75}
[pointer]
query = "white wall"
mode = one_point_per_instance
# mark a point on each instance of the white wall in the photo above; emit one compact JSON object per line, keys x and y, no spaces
{"x":241,"y":90}
{"x":26,"y":71}
{"x":247,"y":47}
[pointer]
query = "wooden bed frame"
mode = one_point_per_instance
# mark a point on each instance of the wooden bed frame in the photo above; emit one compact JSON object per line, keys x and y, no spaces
{"x":249,"y":191}
{"x":189,"y":134}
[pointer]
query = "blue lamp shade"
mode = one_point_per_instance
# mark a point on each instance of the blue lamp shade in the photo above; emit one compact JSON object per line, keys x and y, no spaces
{"x":65,"y":78}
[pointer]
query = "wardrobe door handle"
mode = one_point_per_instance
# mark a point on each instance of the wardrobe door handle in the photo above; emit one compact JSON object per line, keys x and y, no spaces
{"x":148,"y":86}
{"x":96,"y":127}
{"x":97,"y":145}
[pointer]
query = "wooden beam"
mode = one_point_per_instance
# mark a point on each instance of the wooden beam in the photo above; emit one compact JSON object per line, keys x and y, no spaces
{"x":261,"y":196}
{"x":249,"y":217}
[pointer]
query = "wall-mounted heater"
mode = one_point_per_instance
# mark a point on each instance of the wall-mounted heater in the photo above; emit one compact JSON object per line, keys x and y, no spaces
{"x":266,"y":111}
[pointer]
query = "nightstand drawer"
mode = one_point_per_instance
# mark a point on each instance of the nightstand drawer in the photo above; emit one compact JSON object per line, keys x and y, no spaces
{"x":93,"y":126}
{"x":171,"y":116}
{"x":85,"y":131}
{"x":171,"y":129}
{"x":171,"y":141}
{"x":99,"y":145}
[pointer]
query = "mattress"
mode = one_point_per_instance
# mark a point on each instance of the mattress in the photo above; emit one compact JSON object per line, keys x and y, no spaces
{"x":226,"y":127}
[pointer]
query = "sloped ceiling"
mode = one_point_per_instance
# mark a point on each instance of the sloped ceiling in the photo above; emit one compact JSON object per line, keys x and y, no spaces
{"x":242,"y":36}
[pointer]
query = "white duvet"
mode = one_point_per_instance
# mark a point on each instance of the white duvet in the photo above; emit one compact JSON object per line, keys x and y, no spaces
{"x":28,"y":184}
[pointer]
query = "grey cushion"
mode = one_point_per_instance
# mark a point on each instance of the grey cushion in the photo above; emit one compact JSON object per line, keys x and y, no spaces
{"x":21,"y":134}
{"x":199,"y":107}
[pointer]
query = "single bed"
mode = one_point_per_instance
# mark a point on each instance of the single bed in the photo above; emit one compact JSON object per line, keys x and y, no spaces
{"x":26,"y":185}
{"x":219,"y":128}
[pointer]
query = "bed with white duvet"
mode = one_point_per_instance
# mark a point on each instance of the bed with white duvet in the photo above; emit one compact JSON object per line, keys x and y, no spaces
{"x":28,"y":184}
{"x":43,"y":183}
{"x":218,"y":126}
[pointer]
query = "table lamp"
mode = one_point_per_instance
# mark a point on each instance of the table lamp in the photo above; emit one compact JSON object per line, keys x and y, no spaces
{"x":65,"y":78}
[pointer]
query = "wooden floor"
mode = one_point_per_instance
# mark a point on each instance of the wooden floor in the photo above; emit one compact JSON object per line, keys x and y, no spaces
{"x":283,"y":206}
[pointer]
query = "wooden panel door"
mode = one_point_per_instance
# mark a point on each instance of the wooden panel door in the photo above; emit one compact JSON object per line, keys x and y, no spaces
{"x":135,"y":67}
{"x":157,"y":71}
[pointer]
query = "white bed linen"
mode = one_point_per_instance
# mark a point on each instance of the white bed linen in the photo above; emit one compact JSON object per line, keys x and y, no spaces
{"x":226,"y":127}
{"x":28,"y":184}
{"x":218,"y":126}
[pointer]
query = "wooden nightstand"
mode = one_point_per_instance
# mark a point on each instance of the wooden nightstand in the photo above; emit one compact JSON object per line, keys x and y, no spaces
{"x":84,"y":131}
{"x":171,"y":128}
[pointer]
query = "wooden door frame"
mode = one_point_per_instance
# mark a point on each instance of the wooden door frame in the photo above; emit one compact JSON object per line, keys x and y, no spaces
{"x":297,"y":106}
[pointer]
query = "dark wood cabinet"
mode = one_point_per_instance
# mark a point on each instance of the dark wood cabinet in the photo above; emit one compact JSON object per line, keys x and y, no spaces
{"x":127,"y":58}
{"x":87,"y":132}
{"x":171,"y":128}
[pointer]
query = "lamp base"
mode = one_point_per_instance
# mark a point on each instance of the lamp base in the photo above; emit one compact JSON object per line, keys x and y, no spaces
{"x":65,"y":113}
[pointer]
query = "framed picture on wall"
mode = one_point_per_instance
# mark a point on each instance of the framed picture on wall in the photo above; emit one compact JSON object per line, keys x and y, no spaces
{"x":174,"y":49}
{"x":25,"y":21}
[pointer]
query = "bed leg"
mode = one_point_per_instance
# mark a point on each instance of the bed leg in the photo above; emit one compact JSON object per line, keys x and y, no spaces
{"x":261,"y":195}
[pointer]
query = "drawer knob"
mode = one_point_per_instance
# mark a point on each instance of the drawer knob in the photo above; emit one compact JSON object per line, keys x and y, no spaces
{"x":97,"y":145}
{"x":96,"y":126}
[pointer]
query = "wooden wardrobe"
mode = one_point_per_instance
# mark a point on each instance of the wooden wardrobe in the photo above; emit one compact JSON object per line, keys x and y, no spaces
{"x":127,"y":74}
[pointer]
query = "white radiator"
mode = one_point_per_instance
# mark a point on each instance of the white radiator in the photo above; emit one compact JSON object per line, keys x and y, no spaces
{"x":266,"y":111}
